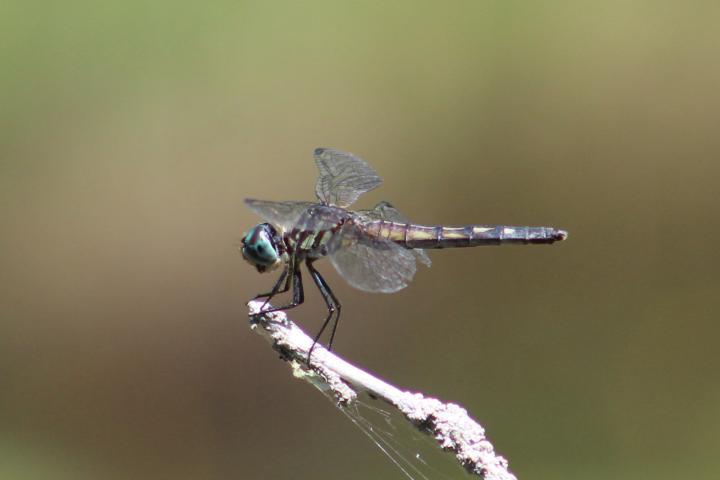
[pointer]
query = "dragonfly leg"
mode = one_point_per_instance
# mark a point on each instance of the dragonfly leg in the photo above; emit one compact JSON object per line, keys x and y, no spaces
{"x":276,"y":288}
{"x":294,"y":280}
{"x":333,"y":306}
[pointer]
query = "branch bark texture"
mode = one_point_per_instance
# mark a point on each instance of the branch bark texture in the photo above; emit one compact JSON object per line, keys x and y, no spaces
{"x":450,"y":424}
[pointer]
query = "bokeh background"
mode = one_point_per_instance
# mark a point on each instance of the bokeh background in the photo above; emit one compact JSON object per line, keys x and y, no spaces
{"x":130,"y":132}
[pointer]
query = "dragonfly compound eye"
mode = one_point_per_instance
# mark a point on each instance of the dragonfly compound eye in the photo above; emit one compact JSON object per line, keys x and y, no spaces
{"x":259,"y":247}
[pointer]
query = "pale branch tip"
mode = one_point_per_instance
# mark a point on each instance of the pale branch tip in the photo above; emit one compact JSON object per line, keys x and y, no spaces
{"x":450,"y":425}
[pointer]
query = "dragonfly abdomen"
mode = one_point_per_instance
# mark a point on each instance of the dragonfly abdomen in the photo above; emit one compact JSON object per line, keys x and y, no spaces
{"x":438,"y":236}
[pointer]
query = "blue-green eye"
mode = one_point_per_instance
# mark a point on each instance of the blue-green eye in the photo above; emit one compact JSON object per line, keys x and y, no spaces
{"x":259,"y":247}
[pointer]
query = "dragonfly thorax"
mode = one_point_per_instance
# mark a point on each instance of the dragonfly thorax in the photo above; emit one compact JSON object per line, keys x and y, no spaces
{"x":263,"y":248}
{"x":314,"y":233}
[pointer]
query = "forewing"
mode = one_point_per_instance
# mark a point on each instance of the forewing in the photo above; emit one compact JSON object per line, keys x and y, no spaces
{"x":343,"y":177}
{"x":385,"y":211}
{"x":372,"y":265}
{"x":281,"y":214}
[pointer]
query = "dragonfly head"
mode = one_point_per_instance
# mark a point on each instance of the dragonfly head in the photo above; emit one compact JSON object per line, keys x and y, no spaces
{"x":262,"y":248}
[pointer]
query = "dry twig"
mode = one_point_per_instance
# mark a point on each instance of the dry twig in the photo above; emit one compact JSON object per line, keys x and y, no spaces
{"x":449,"y":423}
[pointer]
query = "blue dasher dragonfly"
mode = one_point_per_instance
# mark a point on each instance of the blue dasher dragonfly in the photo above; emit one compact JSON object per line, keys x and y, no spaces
{"x":373,"y":250}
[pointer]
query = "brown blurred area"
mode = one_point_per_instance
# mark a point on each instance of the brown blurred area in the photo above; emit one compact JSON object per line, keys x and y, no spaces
{"x":130,"y":132}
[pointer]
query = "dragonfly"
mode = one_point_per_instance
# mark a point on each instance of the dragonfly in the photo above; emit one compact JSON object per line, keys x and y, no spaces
{"x":373,"y":250}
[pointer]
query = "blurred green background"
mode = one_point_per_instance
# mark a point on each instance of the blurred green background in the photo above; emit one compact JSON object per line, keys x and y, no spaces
{"x":130,"y":132}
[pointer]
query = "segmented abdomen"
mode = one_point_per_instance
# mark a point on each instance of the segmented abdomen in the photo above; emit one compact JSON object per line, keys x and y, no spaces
{"x":438,"y":236}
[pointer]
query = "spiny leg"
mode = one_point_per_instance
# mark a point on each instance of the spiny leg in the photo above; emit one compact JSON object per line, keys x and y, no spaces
{"x":332,"y":303}
{"x":276,"y":288}
{"x":336,"y":303}
{"x":295,"y":278}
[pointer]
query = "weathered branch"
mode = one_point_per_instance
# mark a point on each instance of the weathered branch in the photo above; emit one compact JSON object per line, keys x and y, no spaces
{"x":449,"y":423}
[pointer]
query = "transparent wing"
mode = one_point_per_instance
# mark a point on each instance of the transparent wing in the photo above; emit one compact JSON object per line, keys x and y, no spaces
{"x":343,"y":177}
{"x":385,"y":211}
{"x":371,"y":265}
{"x":281,"y":214}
